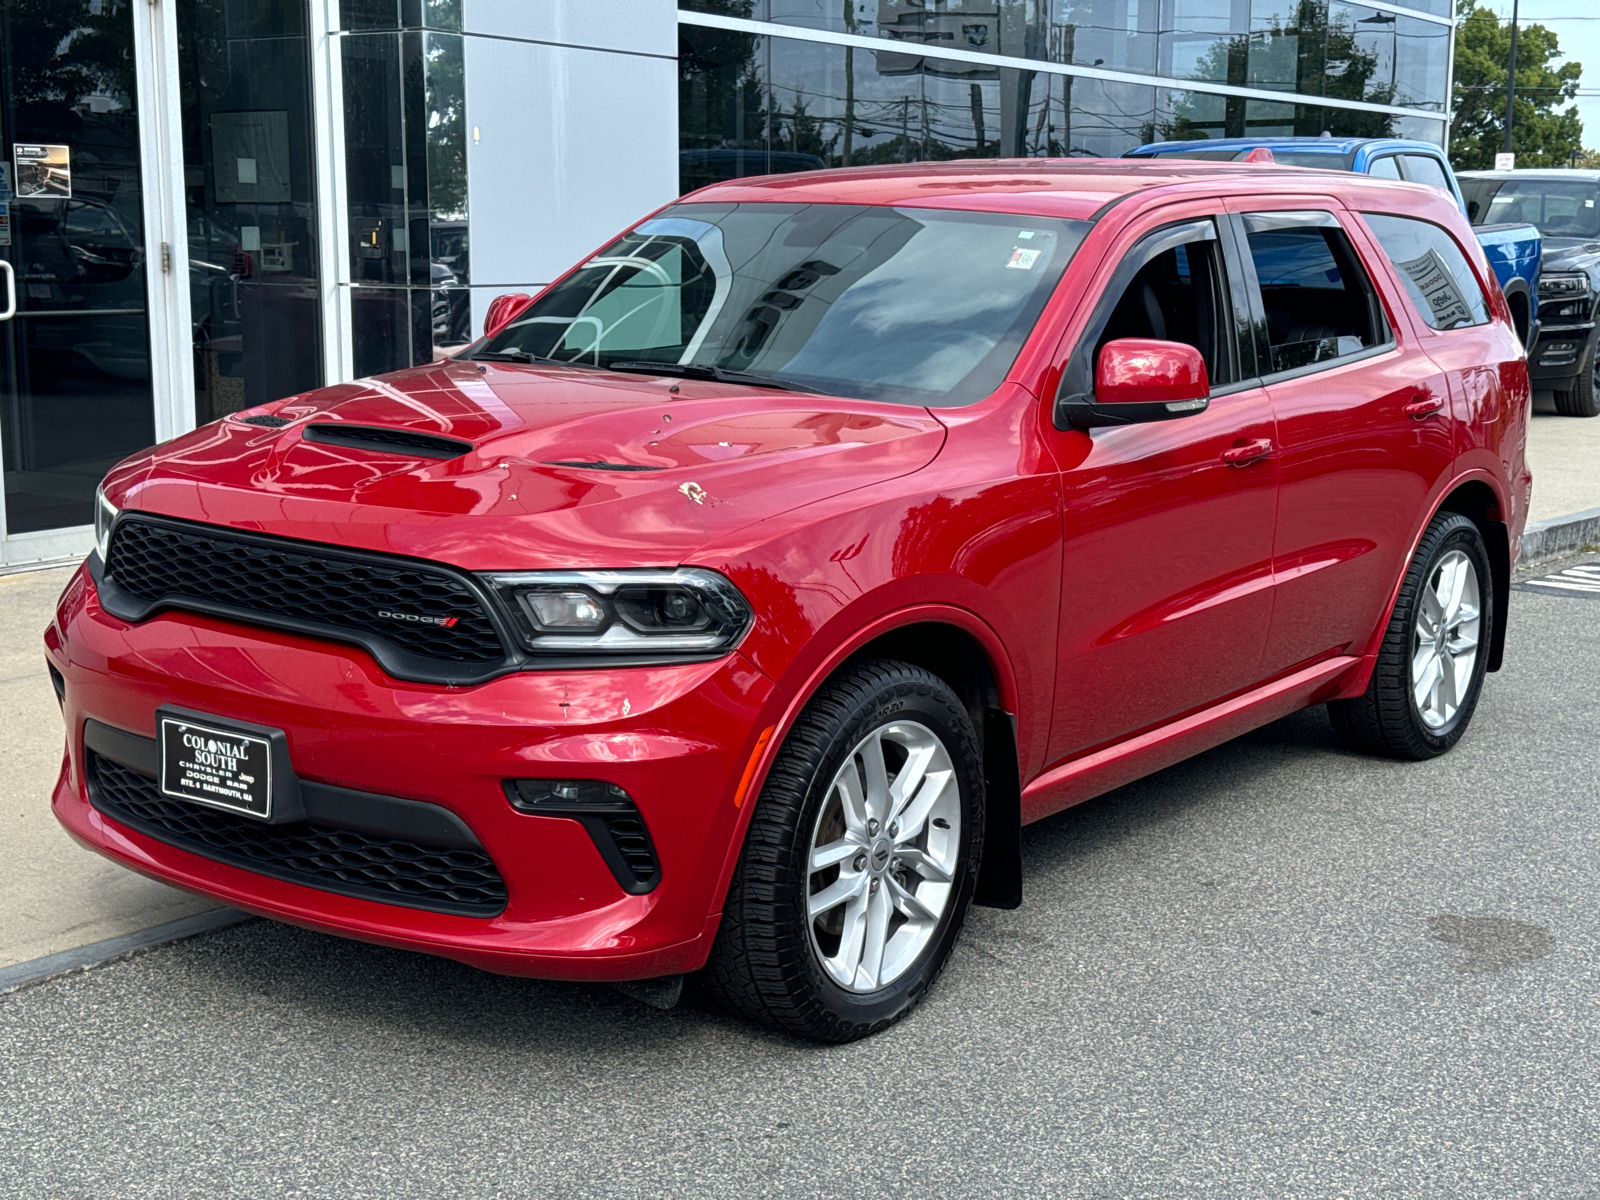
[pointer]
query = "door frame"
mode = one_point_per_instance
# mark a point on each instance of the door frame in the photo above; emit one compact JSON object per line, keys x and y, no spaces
{"x":155,"y":53}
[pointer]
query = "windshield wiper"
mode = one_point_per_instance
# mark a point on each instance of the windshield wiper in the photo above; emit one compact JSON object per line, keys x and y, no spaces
{"x":706,"y":371}
{"x":522,"y":356}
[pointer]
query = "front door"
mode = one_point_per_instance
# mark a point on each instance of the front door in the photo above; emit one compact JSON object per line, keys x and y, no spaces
{"x":1167,"y":557}
{"x":75,"y":363}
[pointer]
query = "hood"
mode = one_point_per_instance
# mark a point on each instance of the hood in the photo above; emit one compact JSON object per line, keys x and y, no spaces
{"x":559,"y":467}
{"x":1569,"y":254}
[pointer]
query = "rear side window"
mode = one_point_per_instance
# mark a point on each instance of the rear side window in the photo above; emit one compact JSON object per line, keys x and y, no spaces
{"x":1319,"y":304}
{"x":1422,"y":168}
{"x":1385,"y":168}
{"x":1433,"y":269}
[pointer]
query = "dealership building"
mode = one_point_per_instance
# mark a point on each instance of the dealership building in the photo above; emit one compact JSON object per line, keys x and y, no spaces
{"x":211,"y":204}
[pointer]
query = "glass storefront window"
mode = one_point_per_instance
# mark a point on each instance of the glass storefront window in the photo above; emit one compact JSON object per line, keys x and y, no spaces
{"x":1422,"y":64}
{"x":400,"y":14}
{"x":253,"y":254}
{"x":406,"y":186}
{"x":722,"y":106}
{"x":75,"y":391}
{"x":1308,"y":47}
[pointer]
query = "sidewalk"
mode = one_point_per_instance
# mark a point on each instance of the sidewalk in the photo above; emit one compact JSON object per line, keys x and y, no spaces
{"x":56,"y":896}
{"x":1565,"y":455}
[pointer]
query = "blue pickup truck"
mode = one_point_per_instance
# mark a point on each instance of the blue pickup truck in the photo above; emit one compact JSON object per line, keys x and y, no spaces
{"x":1512,"y":249}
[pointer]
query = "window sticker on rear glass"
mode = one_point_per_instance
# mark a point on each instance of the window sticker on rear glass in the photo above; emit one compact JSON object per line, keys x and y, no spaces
{"x":1023,"y":260}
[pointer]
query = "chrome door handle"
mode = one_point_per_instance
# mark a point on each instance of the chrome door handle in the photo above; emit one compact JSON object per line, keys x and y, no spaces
{"x":11,"y":292}
{"x":1238,"y":456}
{"x":1425,"y":405}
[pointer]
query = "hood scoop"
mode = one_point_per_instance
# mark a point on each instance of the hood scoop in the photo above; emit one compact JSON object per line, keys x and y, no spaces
{"x":385,"y":440}
{"x":268,"y":420}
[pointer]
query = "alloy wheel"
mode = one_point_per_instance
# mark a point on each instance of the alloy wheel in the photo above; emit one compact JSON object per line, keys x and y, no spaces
{"x":882,"y":860}
{"x":1444,"y":646}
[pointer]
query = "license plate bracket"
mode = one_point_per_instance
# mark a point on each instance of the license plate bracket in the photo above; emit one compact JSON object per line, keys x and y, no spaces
{"x":234,"y":766}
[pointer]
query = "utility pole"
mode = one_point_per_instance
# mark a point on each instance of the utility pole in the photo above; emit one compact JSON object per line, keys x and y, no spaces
{"x":1511,"y":76}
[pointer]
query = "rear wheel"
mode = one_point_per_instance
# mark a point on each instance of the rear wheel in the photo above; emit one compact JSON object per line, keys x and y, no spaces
{"x":1583,"y":398}
{"x":860,"y":859}
{"x":1430,"y":667}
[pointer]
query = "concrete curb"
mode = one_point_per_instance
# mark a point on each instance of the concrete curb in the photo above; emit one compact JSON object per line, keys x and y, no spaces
{"x":1560,"y":536}
{"x":96,"y":953}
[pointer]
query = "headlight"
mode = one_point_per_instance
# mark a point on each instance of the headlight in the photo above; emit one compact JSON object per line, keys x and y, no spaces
{"x":1554,"y":286}
{"x":105,"y":516}
{"x":686,"y":611}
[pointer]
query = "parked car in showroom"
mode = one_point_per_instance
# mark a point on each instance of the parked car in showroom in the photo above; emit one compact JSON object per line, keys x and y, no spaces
{"x":732,"y":604}
{"x":1511,"y":245}
{"x":1563,"y":205}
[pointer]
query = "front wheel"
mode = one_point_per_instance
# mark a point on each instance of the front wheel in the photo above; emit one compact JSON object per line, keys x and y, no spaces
{"x":1430,"y":667}
{"x":1583,"y":398}
{"x":860,"y":859}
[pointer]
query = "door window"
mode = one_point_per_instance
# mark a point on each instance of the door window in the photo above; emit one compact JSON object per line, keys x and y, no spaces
{"x":1385,"y":168}
{"x":1433,"y":269}
{"x":1178,"y":296}
{"x":1318,"y":303}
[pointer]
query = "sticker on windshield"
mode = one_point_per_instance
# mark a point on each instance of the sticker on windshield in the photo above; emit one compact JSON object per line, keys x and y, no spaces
{"x":1023,"y":260}
{"x":1024,"y":234}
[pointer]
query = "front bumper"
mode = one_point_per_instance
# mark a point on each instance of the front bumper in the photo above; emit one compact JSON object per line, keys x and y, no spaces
{"x":676,"y":738}
{"x":1558,"y":354}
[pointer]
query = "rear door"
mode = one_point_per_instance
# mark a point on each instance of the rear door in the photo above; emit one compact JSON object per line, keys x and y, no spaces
{"x":1451,"y":311}
{"x":1166,"y":589}
{"x":1362,"y":419}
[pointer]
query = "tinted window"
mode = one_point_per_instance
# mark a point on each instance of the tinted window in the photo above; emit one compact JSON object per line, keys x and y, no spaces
{"x":1434,"y":271}
{"x":1318,"y":301}
{"x":1385,"y":168}
{"x":1178,"y":296}
{"x":1558,"y":207}
{"x":919,"y":306}
{"x":1421,"y":168}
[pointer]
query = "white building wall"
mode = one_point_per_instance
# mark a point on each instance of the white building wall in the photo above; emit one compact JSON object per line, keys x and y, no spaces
{"x":572,"y":111}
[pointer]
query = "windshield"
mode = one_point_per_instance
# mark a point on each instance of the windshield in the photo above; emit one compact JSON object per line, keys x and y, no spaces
{"x":1558,"y":207}
{"x":917,"y":306}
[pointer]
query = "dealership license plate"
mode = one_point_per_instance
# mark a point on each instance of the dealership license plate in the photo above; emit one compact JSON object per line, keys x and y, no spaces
{"x":220,"y":767}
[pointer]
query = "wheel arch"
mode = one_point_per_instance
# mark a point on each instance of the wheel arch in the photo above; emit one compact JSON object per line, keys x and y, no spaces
{"x":1520,"y":301}
{"x":1476,"y":500}
{"x":960,"y":648}
{"x":956,"y":656}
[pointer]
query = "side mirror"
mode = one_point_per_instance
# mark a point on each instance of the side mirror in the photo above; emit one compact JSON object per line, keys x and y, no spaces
{"x":502,"y":309}
{"x":1142,"y":379}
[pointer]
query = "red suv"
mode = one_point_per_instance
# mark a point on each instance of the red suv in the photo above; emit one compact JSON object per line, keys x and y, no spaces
{"x":733,"y":603}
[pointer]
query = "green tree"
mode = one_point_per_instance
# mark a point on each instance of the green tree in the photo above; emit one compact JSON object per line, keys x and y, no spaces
{"x":1542,"y":134}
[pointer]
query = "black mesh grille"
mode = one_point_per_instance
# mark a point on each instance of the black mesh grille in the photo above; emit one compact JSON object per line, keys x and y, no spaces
{"x":383,"y":439}
{"x":268,"y":420}
{"x":292,"y":580}
{"x":440,"y":878}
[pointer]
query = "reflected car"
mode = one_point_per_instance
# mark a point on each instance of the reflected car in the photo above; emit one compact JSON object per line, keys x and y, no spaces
{"x":731,"y":605}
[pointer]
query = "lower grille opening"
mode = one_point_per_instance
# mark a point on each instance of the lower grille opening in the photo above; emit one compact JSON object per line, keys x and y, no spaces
{"x":632,"y":841}
{"x":447,"y":879}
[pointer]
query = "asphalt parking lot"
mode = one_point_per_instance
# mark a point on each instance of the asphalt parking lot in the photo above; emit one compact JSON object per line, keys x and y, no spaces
{"x":1276,"y":970}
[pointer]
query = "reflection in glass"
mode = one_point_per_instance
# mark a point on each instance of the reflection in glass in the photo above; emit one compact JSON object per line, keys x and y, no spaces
{"x":253,"y":257}
{"x":1311,"y":47}
{"x":910,"y":305}
{"x":75,"y":360}
{"x":406,"y":184}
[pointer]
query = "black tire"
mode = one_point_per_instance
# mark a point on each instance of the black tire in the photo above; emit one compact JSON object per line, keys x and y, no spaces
{"x":1385,"y":720}
{"x":763,"y":965}
{"x":1582,"y":399}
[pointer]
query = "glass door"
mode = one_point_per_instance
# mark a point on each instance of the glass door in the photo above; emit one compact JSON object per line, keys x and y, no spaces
{"x":75,"y":362}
